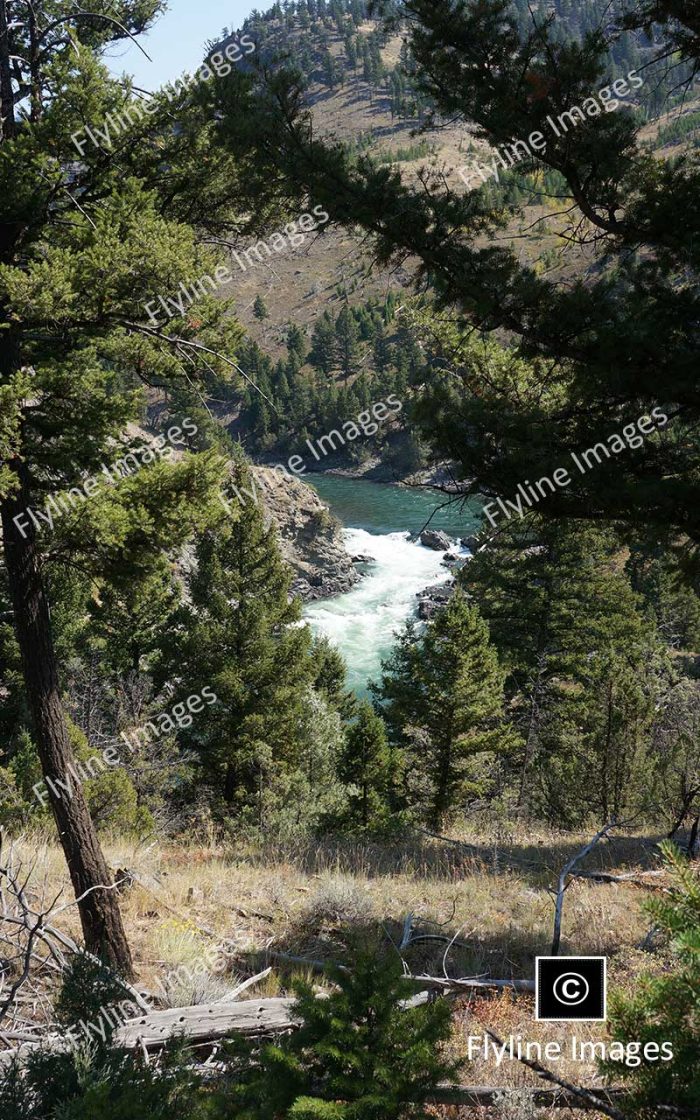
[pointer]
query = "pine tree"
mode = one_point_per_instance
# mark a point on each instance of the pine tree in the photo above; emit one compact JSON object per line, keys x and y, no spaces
{"x":260,"y":308}
{"x":665,"y":1009}
{"x":443,"y":697}
{"x":583,"y":665}
{"x":347,"y":342}
{"x":296,"y":341}
{"x":323,"y":339}
{"x":358,"y":1055}
{"x":89,"y":236}
{"x":369,"y":767}
{"x":239,"y":636}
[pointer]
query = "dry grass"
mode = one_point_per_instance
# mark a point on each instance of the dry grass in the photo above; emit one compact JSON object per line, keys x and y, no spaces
{"x":306,"y":899}
{"x":311,"y":899}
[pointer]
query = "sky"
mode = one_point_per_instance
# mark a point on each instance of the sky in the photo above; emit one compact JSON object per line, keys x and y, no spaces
{"x":178,"y":39}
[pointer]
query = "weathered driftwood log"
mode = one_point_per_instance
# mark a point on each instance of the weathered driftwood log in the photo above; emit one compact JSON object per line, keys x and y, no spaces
{"x":487,"y":1096}
{"x":636,"y":878}
{"x":207,"y":1022}
{"x":210,"y":1022}
{"x":475,"y":984}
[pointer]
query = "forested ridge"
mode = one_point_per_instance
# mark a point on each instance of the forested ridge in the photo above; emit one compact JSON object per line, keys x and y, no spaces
{"x":195,"y":808}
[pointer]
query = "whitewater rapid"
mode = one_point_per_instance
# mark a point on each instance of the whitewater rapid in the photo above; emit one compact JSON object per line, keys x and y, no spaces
{"x":363,"y":623}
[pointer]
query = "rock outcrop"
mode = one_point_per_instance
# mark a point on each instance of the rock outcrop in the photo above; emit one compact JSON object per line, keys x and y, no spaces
{"x":432,"y":599}
{"x":310,"y":536}
{"x":433,"y":538}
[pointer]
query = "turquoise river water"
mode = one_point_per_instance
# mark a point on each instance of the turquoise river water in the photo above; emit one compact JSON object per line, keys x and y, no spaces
{"x":378,"y":521}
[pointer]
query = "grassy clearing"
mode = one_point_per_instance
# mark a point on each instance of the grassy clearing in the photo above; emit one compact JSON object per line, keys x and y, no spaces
{"x":311,"y":899}
{"x":304,"y":899}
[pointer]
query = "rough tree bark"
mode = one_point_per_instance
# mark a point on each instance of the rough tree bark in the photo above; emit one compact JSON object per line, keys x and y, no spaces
{"x":97,"y":903}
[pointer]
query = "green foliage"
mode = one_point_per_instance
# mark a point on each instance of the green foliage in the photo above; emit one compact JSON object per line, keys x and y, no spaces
{"x":676,"y":757}
{"x":87,"y":987}
{"x":584,"y":666}
{"x":260,"y":308}
{"x":357,"y":1056}
{"x":666,"y":1007}
{"x":486,"y":65}
{"x":305,"y":797}
{"x":96,"y":1079}
{"x":443,"y":702}
{"x":238,"y":638}
{"x":354,"y":360}
{"x":113,"y":1085}
{"x":370,"y":768}
{"x":111,"y":795}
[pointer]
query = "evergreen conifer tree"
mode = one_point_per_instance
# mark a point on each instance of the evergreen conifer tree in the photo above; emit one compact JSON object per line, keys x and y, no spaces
{"x":443,"y":697}
{"x":347,"y":342}
{"x":323,"y":339}
{"x":260,"y":308}
{"x":358,"y":1055}
{"x":239,"y":636}
{"x":369,"y":766}
{"x":583,"y":664}
{"x":665,"y":1009}
{"x":89,"y":235}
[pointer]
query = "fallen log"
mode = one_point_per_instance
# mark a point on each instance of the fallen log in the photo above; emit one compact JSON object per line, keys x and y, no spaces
{"x":211,"y":1022}
{"x":472,"y":984}
{"x":445,"y":984}
{"x":487,"y":1096}
{"x":632,"y":877}
{"x":207,"y":1022}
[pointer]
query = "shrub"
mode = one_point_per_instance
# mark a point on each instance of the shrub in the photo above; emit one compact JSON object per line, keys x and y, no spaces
{"x":93,"y":1079}
{"x":666,"y":1008}
{"x":359,"y":1054}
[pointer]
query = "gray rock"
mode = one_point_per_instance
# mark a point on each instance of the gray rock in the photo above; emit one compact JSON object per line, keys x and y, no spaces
{"x":472,"y":543}
{"x":437,"y":592}
{"x":433,"y":538}
{"x":433,"y":598}
{"x":310,"y":537}
{"x":362,"y":559}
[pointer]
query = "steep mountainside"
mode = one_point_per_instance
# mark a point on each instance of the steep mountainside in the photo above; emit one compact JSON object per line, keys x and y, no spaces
{"x":360,"y":87}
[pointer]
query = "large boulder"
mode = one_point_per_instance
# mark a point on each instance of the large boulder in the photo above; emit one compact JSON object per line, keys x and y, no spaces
{"x":433,"y":538}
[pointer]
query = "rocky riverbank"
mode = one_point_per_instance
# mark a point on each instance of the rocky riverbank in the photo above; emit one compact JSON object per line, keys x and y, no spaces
{"x":310,"y":536}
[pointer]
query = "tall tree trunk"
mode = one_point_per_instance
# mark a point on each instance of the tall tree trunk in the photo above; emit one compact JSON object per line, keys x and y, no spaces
{"x":7,"y":105}
{"x":99,"y":910}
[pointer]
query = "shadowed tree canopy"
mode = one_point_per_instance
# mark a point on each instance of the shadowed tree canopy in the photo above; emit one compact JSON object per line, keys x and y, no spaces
{"x":585,"y":356}
{"x":85,"y":244}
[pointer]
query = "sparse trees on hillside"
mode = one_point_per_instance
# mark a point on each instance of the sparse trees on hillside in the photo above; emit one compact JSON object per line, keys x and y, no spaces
{"x":605,"y":352}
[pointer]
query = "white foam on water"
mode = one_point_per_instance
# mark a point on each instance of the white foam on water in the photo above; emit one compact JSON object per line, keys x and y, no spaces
{"x":363,"y":623}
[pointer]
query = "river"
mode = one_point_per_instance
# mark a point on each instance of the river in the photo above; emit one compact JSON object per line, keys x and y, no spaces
{"x":377,"y":520}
